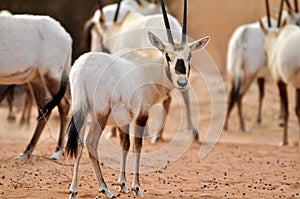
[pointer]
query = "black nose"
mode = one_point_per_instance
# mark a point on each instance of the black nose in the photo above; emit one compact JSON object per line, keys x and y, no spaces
{"x":184,"y":84}
{"x":180,"y":67}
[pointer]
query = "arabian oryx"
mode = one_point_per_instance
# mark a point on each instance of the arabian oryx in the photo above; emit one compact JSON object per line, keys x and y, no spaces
{"x":113,"y":12}
{"x":36,"y":50}
{"x":118,"y":90}
{"x":112,"y":36}
{"x":246,"y":61}
{"x":283,"y":52}
{"x":8,"y":92}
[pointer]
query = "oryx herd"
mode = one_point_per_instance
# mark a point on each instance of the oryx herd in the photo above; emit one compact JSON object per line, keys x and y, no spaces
{"x":139,"y":54}
{"x":260,"y":48}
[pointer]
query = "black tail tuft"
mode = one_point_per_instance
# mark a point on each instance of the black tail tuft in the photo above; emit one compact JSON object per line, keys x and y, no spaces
{"x":57,"y":98}
{"x":235,"y":93}
{"x":73,"y":131}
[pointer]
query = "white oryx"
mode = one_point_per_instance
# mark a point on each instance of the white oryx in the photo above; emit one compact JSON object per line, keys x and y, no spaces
{"x":246,"y":60}
{"x":283,"y":52}
{"x":8,"y":91}
{"x":36,"y":50}
{"x":117,"y":89}
{"x":132,"y":32}
{"x":109,"y":13}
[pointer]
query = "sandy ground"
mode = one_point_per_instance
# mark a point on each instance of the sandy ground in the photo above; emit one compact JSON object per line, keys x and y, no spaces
{"x":240,"y":165}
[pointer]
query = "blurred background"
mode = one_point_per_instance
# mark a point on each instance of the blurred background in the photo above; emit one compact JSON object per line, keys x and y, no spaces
{"x":216,"y":18}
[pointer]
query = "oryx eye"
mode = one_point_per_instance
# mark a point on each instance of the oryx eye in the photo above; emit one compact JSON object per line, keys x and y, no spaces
{"x":168,"y":58}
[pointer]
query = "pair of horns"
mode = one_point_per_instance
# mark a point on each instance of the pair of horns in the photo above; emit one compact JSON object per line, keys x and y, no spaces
{"x":296,"y":9}
{"x":280,"y":10}
{"x":167,"y":24}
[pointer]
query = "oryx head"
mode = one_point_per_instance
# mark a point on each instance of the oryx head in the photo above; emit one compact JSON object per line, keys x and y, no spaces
{"x":292,"y":16}
{"x":272,"y":33}
{"x":177,"y":55}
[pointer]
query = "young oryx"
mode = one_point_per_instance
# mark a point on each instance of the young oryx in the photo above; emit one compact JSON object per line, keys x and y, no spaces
{"x":246,"y":61}
{"x":282,"y":49}
{"x":111,"y":37}
{"x":36,"y":50}
{"x":108,"y":13}
{"x":117,"y":91}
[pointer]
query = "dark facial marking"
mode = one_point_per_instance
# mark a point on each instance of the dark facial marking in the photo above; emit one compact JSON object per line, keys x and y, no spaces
{"x":168,"y":58}
{"x":168,"y":72}
{"x":180,"y":67}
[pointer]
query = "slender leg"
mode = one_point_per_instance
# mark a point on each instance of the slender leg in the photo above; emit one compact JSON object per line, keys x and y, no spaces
{"x":10,"y":98}
{"x":166,"y":105}
{"x":74,"y":186}
{"x":261,"y":87}
{"x":27,"y":104}
{"x":125,"y":143}
{"x":186,"y":97}
{"x":285,"y":107}
{"x":298,"y":110}
{"x":230,"y":106}
{"x":28,"y":112}
{"x":281,"y":119}
{"x":63,"y":108}
{"x":137,"y":148}
{"x":39,"y":94}
{"x":242,"y":122}
{"x":92,"y":146}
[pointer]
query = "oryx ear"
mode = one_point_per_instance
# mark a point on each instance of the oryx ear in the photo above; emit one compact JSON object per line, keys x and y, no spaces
{"x":284,"y":23}
{"x":156,"y":42}
{"x":276,"y":12}
{"x":291,"y":13}
{"x":262,"y":27}
{"x":201,"y":43}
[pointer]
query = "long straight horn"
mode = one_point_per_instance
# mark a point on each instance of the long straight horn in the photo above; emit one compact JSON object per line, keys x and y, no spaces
{"x":166,"y":20}
{"x":289,"y":5}
{"x":100,"y":6}
{"x":280,"y":14}
{"x":268,"y":13}
{"x":184,"y":22}
{"x":296,"y":6}
{"x":139,"y":2}
{"x":117,"y":11}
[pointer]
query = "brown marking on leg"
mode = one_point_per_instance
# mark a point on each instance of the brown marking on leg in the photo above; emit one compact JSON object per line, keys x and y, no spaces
{"x":166,"y":105}
{"x":297,"y":109}
{"x":261,"y":87}
{"x":27,"y":104}
{"x":230,"y":105}
{"x":92,"y":145}
{"x":285,"y":109}
{"x":137,"y":148}
{"x":10,"y":98}
{"x":53,"y":86}
{"x":125,"y":144}
{"x":39,"y":94}
{"x":186,"y":97}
